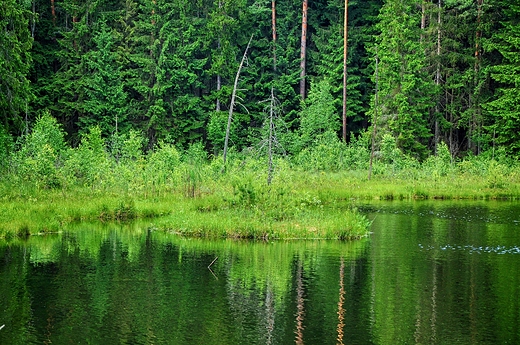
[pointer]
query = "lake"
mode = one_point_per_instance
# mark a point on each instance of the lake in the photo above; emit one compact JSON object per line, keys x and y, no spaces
{"x":431,"y":272}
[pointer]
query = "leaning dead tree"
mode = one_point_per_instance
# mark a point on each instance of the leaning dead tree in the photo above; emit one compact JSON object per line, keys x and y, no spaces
{"x":233,"y":97}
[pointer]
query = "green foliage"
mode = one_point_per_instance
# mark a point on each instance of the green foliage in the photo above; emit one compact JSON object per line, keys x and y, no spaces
{"x":318,"y":117}
{"x":325,"y":153}
{"x":89,"y":162}
{"x":356,"y":154}
{"x":163,"y":163}
{"x":405,"y":87}
{"x":105,"y":103}
{"x":505,"y":105}
{"x":440,"y":165}
{"x":152,"y":72}
{"x":217,"y":130}
{"x":6,"y":146}
{"x":132,"y":149}
{"x":15,"y":61}
{"x":193,"y":158}
{"x":41,"y":153}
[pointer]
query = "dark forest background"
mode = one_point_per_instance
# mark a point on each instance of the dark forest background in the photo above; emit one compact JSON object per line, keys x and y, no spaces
{"x":443,"y":71}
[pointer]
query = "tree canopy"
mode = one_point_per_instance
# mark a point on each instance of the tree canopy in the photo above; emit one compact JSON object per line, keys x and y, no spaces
{"x":447,"y":69}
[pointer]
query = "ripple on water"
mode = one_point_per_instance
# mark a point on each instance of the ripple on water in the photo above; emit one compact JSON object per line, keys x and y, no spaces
{"x":500,"y":250}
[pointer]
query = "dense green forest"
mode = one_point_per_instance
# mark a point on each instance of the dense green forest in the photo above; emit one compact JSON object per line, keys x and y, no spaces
{"x":419,"y":73}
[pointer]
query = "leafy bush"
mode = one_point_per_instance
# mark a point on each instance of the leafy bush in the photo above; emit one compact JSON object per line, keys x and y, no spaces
{"x":323,"y":155}
{"x":89,"y":162}
{"x":162,"y":163}
{"x":41,"y":153}
{"x":356,"y":155}
{"x":440,"y":165}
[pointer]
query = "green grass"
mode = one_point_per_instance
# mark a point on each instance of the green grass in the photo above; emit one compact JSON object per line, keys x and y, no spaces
{"x":238,"y":204}
{"x":210,"y":215}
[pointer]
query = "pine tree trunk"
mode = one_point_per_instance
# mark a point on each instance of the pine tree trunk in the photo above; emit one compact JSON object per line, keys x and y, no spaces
{"x":273,"y":22}
{"x":33,"y":19}
{"x":303,"y":49}
{"x":423,"y":19}
{"x":219,"y":86}
{"x":345,"y":50}
{"x":219,"y":79}
{"x":53,"y":11}
{"x":438,"y":76}
{"x":476,"y":102}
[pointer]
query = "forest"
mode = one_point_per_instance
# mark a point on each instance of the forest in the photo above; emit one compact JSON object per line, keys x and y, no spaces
{"x":418,"y":73}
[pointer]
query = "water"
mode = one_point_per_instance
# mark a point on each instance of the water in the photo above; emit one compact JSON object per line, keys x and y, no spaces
{"x":431,"y":273}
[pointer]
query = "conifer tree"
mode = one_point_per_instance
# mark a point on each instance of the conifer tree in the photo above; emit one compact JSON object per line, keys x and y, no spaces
{"x":105,"y":101}
{"x":505,"y":106}
{"x":405,"y":87}
{"x":15,"y":61}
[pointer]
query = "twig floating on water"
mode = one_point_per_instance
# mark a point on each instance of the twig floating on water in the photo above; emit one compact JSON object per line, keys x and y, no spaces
{"x":209,"y":267}
{"x":212,"y":262}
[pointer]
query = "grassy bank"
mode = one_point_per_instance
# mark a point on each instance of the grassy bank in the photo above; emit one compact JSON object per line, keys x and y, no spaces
{"x":238,"y":203}
{"x":45,"y":188}
{"x":217,"y":214}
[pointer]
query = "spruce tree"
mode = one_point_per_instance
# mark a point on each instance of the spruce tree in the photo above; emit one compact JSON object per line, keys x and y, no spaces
{"x":405,"y":87}
{"x":504,"y":109}
{"x":106,"y":103}
{"x":15,"y":60}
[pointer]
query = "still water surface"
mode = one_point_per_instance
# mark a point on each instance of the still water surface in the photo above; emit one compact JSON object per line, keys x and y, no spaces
{"x":430,"y":273}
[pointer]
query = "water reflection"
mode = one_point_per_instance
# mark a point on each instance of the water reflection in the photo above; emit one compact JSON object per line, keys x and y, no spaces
{"x":341,"y":310}
{"x":432,"y":273}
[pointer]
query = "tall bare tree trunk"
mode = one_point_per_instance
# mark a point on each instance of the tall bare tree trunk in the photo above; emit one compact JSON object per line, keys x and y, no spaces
{"x":303,"y":51}
{"x":273,"y":23}
{"x":423,"y":19}
{"x":219,"y":79}
{"x":233,"y":96}
{"x":438,"y":76}
{"x":53,"y":11}
{"x":219,"y":86}
{"x":345,"y":51}
{"x":474,"y":122}
{"x":33,"y":18}
{"x":374,"y":128}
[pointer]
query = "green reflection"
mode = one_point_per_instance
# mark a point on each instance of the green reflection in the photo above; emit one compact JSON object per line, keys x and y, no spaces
{"x":115,"y":284}
{"x":445,"y":272}
{"x":431,"y":273}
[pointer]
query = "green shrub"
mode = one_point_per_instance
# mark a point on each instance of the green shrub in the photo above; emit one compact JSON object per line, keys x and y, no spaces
{"x":162,"y":164}
{"x":439,"y":165}
{"x":41,"y":153}
{"x":88,"y":164}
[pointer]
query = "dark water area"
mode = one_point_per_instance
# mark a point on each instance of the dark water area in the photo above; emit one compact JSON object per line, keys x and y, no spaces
{"x":430,"y":273}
